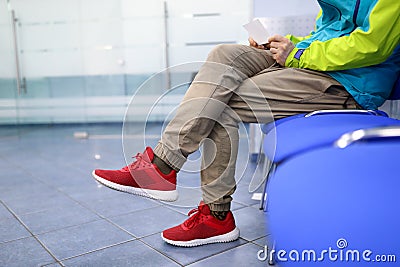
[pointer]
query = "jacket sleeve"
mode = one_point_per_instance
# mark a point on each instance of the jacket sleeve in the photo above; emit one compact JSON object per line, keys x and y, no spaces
{"x":365,"y":46}
{"x":297,"y":39}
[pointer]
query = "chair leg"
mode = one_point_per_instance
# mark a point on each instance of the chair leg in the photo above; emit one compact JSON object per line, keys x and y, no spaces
{"x":263,"y":196}
{"x":270,"y":172}
{"x":259,"y":173}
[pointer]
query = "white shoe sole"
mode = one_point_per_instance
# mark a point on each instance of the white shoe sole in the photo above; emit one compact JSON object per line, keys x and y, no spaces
{"x":171,"y":195}
{"x":228,"y":237}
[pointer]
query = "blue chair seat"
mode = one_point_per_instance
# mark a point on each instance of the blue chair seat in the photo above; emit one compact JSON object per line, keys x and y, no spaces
{"x":296,"y":136}
{"x":323,"y":195}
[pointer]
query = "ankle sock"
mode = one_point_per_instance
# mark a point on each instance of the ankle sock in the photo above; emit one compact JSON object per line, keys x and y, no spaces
{"x":220,"y":215}
{"x":162,"y":166}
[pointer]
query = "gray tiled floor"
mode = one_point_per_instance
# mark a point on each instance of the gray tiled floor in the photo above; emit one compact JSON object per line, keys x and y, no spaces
{"x":52,"y":213}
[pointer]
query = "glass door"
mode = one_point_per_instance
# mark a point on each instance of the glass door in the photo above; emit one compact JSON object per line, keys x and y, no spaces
{"x":48,"y":61}
{"x":10,"y":85}
{"x":71,"y":58}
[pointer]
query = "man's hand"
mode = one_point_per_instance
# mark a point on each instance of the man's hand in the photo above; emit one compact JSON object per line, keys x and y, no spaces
{"x":254,"y":44}
{"x":280,"y":48}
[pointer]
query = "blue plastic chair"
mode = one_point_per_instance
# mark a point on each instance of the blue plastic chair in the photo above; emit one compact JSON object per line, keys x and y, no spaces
{"x":344,"y":197}
{"x":300,"y":133}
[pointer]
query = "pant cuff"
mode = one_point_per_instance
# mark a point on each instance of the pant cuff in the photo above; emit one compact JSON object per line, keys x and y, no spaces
{"x":173,"y":158}
{"x":220,"y":207}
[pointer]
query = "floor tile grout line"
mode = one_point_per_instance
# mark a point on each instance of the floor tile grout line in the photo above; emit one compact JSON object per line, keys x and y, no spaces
{"x":26,"y":227}
{"x":220,"y":252}
{"x":140,"y":239}
{"x":120,"y":243}
{"x":55,"y":230}
{"x":60,"y":263}
{"x":99,"y":249}
{"x":13,"y":240}
{"x":158,"y":251}
{"x":161,"y":252}
{"x":66,"y":227}
{"x":254,"y":241}
{"x":108,"y":219}
{"x":102,"y":217}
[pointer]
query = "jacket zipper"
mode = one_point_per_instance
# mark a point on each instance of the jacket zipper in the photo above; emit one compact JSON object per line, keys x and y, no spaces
{"x":355,"y":14}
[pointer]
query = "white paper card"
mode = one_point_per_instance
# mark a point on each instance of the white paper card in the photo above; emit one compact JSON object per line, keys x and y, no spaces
{"x":257,"y":31}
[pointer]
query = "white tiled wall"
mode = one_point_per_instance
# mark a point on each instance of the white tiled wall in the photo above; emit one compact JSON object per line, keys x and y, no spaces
{"x":287,"y":16}
{"x":300,"y":25}
{"x":285,"y":8}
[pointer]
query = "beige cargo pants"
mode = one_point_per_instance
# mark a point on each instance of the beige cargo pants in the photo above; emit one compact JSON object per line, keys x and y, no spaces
{"x":239,"y":83}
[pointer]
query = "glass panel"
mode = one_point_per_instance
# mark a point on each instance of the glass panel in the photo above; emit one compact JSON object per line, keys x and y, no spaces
{"x":8,"y":85}
{"x":72,"y":60}
{"x":83,"y":62}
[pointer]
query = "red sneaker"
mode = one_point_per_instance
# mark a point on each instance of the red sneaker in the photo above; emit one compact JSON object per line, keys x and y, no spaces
{"x":142,"y":178}
{"x":202,"y":228}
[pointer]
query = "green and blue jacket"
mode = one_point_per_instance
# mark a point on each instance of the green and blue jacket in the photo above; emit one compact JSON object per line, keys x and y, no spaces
{"x":357,"y":43}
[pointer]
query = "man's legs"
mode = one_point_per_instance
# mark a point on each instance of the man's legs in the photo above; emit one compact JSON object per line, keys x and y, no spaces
{"x":288,"y":92}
